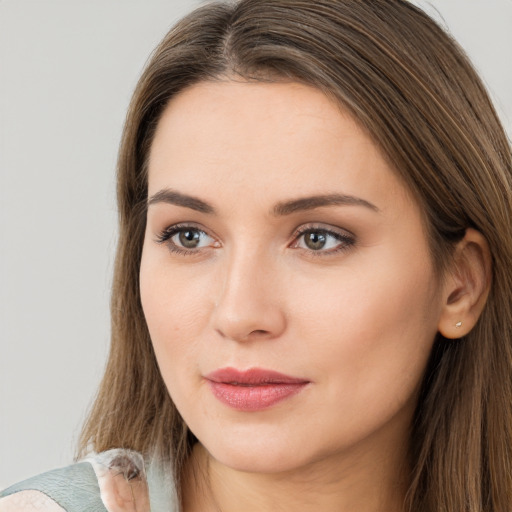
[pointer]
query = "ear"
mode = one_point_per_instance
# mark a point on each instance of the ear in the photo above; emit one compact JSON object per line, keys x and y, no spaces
{"x":466,"y":286}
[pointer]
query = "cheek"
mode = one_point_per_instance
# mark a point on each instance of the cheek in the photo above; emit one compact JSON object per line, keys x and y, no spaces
{"x":176,"y":309}
{"x":370,"y":332}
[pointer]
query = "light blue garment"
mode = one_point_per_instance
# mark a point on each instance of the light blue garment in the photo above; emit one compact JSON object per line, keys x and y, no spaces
{"x":75,"y":488}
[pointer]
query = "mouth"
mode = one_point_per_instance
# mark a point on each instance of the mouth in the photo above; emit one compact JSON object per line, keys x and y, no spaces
{"x":253,"y":390}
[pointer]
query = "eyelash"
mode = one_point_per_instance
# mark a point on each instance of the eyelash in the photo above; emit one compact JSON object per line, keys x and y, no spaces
{"x":346,"y":240}
{"x":164,"y":237}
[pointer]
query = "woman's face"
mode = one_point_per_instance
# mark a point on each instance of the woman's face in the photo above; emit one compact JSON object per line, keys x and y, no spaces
{"x":285,"y":278}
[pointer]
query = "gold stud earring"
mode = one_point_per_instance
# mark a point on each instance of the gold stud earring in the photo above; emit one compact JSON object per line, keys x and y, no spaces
{"x":458,"y":325}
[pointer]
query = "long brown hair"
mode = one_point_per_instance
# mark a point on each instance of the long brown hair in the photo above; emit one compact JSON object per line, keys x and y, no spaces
{"x":414,"y":91}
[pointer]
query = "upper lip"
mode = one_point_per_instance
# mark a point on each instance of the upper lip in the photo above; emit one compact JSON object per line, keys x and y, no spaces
{"x":252,"y":376}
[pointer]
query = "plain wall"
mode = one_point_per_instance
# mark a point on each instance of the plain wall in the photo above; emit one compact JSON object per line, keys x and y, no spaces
{"x":67,"y":69}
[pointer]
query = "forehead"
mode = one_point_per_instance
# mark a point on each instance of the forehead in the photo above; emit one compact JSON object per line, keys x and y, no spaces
{"x":274,"y":139}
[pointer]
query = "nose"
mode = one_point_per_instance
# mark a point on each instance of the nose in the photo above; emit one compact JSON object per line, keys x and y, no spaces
{"x":249,"y":304}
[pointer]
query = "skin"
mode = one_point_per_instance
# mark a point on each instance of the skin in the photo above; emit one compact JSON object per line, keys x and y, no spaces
{"x":118,"y":494}
{"x":338,"y":292}
{"x":356,"y":319}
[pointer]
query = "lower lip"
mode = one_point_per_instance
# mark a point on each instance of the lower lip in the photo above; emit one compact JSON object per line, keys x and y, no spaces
{"x":256,"y":397}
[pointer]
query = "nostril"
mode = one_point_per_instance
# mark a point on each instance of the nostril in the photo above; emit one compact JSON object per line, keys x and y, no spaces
{"x":247,"y":318}
{"x":256,"y":334}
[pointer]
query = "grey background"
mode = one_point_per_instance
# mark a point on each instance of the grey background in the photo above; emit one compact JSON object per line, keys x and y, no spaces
{"x":67,"y":69}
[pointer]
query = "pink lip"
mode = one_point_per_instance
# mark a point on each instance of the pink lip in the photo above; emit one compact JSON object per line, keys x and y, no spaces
{"x":253,"y":390}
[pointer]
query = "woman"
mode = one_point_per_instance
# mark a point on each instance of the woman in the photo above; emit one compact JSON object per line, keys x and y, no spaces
{"x":311,"y":305}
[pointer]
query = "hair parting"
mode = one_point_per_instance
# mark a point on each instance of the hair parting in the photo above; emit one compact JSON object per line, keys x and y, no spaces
{"x":415,"y":92}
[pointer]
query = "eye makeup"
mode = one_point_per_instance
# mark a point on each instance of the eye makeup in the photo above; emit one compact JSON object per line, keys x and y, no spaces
{"x":185,"y":239}
{"x":318,"y":240}
{"x":322,"y":241}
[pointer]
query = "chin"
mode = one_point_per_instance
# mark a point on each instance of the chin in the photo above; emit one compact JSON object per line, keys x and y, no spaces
{"x":257,"y":452}
{"x":257,"y":461}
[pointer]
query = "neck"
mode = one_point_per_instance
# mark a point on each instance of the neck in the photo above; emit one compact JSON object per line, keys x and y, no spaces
{"x":360,"y":481}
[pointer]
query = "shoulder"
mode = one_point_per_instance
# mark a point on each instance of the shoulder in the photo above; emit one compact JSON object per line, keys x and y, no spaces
{"x":73,"y":488}
{"x":29,"y":501}
{"x":122,"y":479}
{"x":108,"y":482}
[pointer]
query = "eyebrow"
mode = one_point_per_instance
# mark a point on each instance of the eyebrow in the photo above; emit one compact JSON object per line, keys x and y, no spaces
{"x":172,"y":197}
{"x":280,"y":209}
{"x":312,"y":202}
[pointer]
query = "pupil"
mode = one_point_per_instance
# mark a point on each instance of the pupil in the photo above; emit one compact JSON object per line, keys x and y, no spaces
{"x":315,"y":241}
{"x":189,"y":239}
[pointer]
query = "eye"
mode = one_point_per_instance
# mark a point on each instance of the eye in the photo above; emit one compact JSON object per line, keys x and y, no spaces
{"x":322,"y":240}
{"x":185,"y":239}
{"x":190,"y":238}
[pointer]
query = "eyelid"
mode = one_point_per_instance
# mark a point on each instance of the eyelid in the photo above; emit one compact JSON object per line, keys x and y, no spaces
{"x":164,"y":237}
{"x":164,"y":234}
{"x":346,"y":238}
{"x":327,"y":228}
